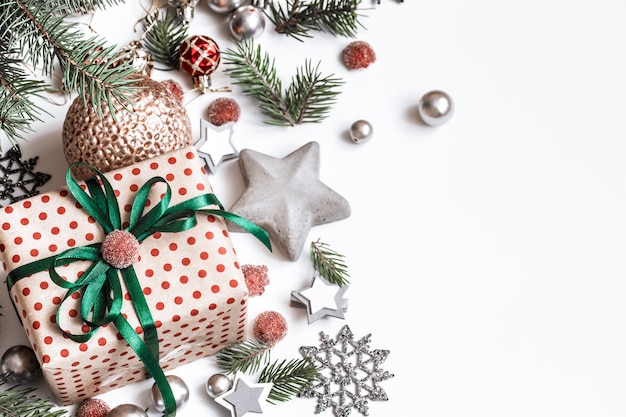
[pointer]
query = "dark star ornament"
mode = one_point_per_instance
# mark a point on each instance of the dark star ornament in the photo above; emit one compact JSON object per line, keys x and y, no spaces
{"x":17,"y":177}
{"x":286,"y":197}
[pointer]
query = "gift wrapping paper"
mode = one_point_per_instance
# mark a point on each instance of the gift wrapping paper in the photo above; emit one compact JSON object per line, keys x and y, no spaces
{"x":191,"y":280}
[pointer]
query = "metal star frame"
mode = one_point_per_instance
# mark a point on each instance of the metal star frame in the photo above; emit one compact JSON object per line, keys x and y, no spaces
{"x":321,"y":299}
{"x":244,"y":397}
{"x":17,"y":179}
{"x":350,"y":373}
{"x":217,"y":149}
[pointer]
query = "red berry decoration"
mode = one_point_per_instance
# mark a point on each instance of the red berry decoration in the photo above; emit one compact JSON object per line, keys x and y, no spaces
{"x":223,"y":110}
{"x":270,"y":327}
{"x":199,"y":56}
{"x":358,"y":55}
{"x":120,"y":249}
{"x":174,"y":87}
{"x":92,"y":407}
{"x":256,"y":278}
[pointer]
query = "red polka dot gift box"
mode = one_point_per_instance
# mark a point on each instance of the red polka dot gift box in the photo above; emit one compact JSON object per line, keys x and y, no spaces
{"x":123,"y":276}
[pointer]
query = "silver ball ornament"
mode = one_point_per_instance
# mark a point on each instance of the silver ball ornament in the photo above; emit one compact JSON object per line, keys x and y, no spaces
{"x":20,"y":365}
{"x":435,"y":108}
{"x":179,"y":389}
{"x":246,"y":22}
{"x":361,"y":131}
{"x":224,"y":6}
{"x":127,"y":410}
{"x":218,"y":384}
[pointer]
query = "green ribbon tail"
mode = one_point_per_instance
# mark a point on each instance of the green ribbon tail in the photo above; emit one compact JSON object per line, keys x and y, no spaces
{"x":150,"y":362}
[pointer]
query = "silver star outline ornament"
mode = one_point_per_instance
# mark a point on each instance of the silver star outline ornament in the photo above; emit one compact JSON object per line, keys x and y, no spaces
{"x":285,"y":197}
{"x":350,"y":373}
{"x":244,"y":397}
{"x":219,"y":147}
{"x":321,"y":299}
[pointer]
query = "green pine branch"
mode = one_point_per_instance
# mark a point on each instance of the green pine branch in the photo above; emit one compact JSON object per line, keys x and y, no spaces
{"x":288,"y":378}
{"x":329,"y":263}
{"x":247,"y":356}
{"x":163,"y":34}
{"x":297,"y":18}
{"x":21,"y":402}
{"x":308,"y":98}
{"x":38,"y":35}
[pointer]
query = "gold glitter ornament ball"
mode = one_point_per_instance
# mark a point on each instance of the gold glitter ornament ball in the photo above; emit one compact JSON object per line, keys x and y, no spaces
{"x":157,"y":123}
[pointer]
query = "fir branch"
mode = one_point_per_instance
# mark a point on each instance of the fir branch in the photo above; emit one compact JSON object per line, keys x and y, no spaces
{"x":308,"y":98}
{"x":329,"y":263}
{"x":247,"y":356}
{"x":163,"y":34}
{"x":288,"y":378}
{"x":298,"y":18}
{"x":20,"y":402}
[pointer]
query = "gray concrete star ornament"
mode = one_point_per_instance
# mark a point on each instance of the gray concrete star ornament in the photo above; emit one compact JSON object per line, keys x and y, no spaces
{"x":285,"y":197}
{"x":244,"y":397}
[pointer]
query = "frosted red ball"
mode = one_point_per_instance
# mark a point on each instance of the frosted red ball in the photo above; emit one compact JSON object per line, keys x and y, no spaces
{"x":92,"y":407}
{"x":269,"y":327}
{"x":174,"y":87}
{"x":223,"y":110}
{"x":256,"y":279}
{"x":120,"y":249}
{"x":358,"y":55}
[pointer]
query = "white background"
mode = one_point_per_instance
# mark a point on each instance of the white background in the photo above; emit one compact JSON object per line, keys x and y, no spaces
{"x":487,"y":254}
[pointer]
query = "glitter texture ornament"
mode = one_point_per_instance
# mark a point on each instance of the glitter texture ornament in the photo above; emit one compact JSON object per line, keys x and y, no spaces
{"x":256,"y":279}
{"x":358,"y":55}
{"x":157,"y":123}
{"x":223,"y":110}
{"x":92,"y":407}
{"x":120,"y":249}
{"x":246,"y":22}
{"x":270,"y":327}
{"x":174,"y":87}
{"x":20,"y":365}
{"x":199,"y":56}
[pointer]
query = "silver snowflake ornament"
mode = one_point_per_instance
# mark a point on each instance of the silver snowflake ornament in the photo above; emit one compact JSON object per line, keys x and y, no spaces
{"x":350,"y":373}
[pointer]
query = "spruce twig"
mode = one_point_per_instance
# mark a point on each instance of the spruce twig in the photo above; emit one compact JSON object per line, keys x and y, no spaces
{"x":21,"y":402}
{"x":288,"y":378}
{"x":308,"y":98}
{"x":163,"y":34}
{"x":329,"y":263}
{"x":297,"y":18}
{"x":247,"y":356}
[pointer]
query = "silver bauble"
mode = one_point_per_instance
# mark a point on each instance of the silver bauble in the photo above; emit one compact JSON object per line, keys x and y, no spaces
{"x":157,"y":124}
{"x":20,"y":365}
{"x":361,"y":131}
{"x":435,"y":108}
{"x":246,"y":22}
{"x":127,"y":410}
{"x":179,"y":389}
{"x":218,"y":384}
{"x":224,"y":6}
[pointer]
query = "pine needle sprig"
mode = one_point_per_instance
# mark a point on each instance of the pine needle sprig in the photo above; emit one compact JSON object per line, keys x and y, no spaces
{"x":298,"y":18}
{"x":288,"y":378}
{"x":163,"y":34}
{"x":308,"y":98}
{"x":247,"y":356}
{"x":329,"y":263}
{"x":21,"y":402}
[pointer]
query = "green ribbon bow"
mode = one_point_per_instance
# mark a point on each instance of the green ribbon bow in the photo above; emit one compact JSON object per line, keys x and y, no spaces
{"x":100,"y":283}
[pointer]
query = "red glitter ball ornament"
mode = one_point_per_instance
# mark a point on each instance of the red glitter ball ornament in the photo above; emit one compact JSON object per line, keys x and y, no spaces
{"x":358,"y":55}
{"x":223,"y":110}
{"x":256,"y":278}
{"x":92,"y":407}
{"x":120,"y":249}
{"x":270,"y":327}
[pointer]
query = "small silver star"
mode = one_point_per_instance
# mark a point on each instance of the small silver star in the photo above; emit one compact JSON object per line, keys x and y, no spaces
{"x":286,"y":198}
{"x":219,"y":148}
{"x":244,"y":397}
{"x":322,"y":299}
